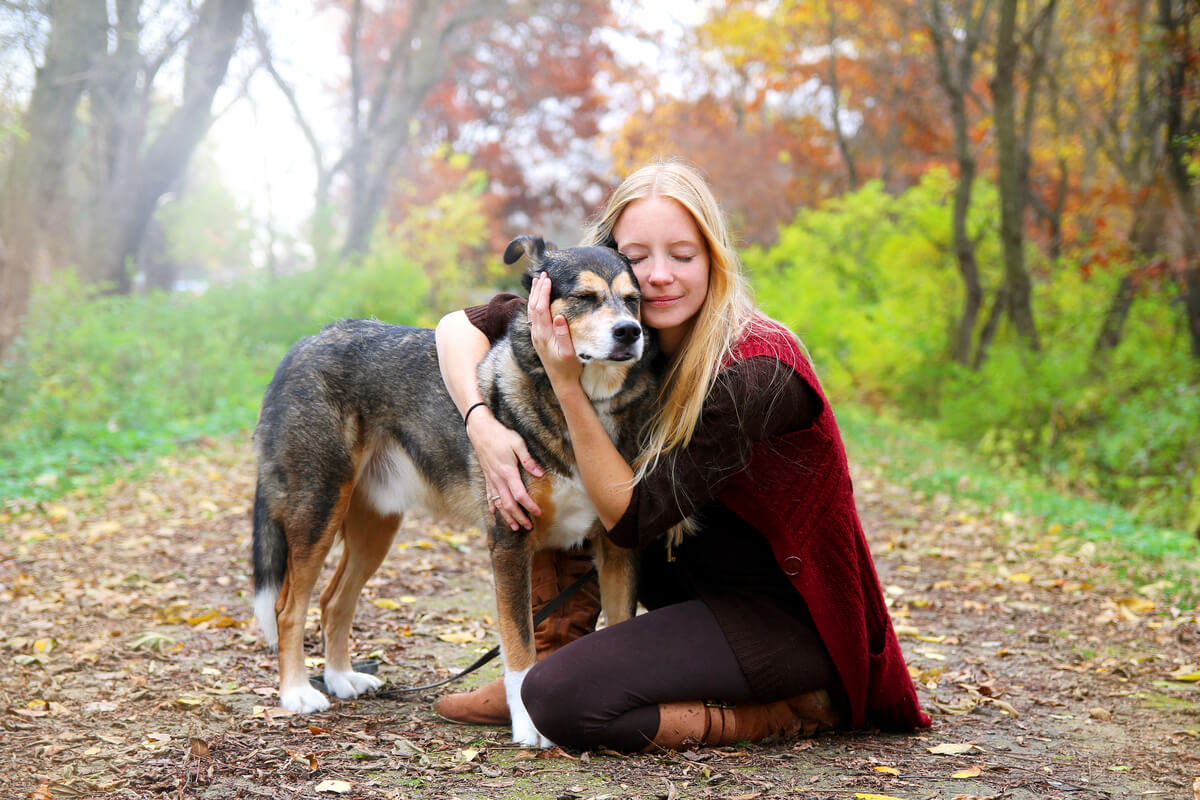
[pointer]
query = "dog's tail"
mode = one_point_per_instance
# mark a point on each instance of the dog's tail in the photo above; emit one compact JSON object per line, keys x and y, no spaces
{"x":270,"y":565}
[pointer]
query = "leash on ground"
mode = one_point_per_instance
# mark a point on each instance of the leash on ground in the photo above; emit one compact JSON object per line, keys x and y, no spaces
{"x":371,"y":666}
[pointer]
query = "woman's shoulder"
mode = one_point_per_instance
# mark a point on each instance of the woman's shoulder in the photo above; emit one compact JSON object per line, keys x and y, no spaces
{"x":764,"y":336}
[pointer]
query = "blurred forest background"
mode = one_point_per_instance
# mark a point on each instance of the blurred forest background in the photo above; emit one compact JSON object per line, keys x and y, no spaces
{"x":980,"y":215}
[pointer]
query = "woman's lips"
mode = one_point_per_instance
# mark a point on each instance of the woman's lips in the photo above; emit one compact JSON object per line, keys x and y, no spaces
{"x":661,"y":301}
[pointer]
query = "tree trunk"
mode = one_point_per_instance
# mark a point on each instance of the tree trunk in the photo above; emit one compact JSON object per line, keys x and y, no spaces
{"x":835,"y":89}
{"x":999,"y":308}
{"x":78,"y":30}
{"x":955,"y":78}
{"x":1011,"y":166}
{"x":1180,"y":72}
{"x":135,"y":193}
{"x":1113,"y":326}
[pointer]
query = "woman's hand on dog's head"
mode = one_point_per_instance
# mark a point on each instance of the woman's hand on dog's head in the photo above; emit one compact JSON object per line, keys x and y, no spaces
{"x":552,"y":337}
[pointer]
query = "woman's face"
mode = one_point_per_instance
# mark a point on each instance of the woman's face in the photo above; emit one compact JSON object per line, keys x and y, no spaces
{"x":670,"y":260}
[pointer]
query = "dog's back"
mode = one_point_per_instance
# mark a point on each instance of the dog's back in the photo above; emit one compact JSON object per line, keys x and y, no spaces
{"x":360,"y":404}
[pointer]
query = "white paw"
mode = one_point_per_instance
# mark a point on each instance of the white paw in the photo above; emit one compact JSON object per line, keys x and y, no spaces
{"x":349,"y":684}
{"x":524,"y":732}
{"x":303,"y":700}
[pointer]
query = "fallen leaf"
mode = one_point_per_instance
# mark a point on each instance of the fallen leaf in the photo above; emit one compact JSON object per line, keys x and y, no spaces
{"x":156,"y":741}
{"x":951,"y":749}
{"x":888,"y":770}
{"x":1189,"y":673}
{"x":383,"y":602}
{"x":334,"y":787}
{"x":1102,"y":714}
{"x":153,"y":640}
{"x":199,"y":747}
{"x":865,"y":796}
{"x":969,"y":772}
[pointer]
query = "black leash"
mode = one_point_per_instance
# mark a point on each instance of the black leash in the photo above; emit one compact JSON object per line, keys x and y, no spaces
{"x":371,"y":666}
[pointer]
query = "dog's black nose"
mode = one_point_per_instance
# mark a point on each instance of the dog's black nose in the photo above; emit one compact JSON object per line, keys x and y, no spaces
{"x":627,"y":332}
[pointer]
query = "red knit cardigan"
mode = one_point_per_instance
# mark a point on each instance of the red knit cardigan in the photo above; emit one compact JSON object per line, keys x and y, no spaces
{"x":796,"y":490}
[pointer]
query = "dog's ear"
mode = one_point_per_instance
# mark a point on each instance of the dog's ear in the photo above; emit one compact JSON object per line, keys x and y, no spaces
{"x":531,"y":246}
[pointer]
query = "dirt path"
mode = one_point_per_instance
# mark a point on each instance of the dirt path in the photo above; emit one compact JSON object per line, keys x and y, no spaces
{"x":129,"y":667}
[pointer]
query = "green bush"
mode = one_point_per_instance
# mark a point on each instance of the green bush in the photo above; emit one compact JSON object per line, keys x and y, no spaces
{"x":99,"y":379}
{"x":870,"y":283}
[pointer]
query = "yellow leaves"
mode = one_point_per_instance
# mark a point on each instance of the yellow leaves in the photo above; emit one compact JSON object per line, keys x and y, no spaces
{"x":969,"y":772}
{"x":460,"y":637}
{"x":1137,"y":605}
{"x":1188,"y":673}
{"x":392,"y":605}
{"x":888,"y":770}
{"x":949,"y":749}
{"x":217,"y":619}
{"x":1021,"y":577}
{"x":868,"y":796}
{"x":189,"y":699}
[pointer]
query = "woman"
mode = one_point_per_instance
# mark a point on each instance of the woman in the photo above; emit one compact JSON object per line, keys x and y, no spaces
{"x":768,"y":619}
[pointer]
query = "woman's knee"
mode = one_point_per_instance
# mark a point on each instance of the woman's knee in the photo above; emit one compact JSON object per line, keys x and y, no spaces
{"x":567,"y":705}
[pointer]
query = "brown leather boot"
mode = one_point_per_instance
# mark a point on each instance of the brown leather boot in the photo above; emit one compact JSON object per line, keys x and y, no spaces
{"x":695,"y":722}
{"x":551,"y":572}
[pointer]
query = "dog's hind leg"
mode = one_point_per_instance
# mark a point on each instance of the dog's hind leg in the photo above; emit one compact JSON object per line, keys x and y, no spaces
{"x":511,"y":563}
{"x":617,"y":571}
{"x":367,"y":537}
{"x":303,"y":569}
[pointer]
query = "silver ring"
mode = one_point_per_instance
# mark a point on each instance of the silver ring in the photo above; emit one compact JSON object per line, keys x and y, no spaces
{"x":495,"y":499}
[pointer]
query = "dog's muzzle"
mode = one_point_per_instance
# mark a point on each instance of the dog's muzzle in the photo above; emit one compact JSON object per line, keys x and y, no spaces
{"x":627,"y":341}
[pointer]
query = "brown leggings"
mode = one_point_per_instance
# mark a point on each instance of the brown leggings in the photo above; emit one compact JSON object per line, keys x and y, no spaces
{"x":604,"y":688}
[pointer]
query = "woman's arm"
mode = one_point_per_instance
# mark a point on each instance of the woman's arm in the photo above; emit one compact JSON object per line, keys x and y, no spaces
{"x":461,"y":346}
{"x":606,"y":476}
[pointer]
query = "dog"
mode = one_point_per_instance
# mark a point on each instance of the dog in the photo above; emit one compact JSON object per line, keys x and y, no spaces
{"x":357,"y":429}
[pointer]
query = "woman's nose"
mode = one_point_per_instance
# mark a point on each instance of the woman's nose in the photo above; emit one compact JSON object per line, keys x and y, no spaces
{"x":660,"y":271}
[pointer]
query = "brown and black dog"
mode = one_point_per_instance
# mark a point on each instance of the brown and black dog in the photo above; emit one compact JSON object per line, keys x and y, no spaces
{"x":357,"y":429}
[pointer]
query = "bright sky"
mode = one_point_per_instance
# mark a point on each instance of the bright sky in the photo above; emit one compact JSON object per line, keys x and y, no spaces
{"x":264,"y":156}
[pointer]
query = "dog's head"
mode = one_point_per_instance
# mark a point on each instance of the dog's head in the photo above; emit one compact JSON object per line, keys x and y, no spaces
{"x":595,"y":290}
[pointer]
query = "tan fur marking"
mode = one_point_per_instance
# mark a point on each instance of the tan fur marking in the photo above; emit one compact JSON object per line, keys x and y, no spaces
{"x":303,"y":569}
{"x":511,"y":566}
{"x":590,"y":280}
{"x":542,"y":491}
{"x":618,"y":577}
{"x":366,"y":538}
{"x":623,"y":285}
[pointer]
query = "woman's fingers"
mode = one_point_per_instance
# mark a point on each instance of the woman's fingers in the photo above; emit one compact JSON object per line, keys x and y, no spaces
{"x":501,"y":453}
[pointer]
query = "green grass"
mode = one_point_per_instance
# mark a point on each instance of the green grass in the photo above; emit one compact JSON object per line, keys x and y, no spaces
{"x":35,"y":470}
{"x":910,"y":454}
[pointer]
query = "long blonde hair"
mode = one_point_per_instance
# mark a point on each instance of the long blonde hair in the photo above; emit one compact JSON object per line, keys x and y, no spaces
{"x":727,"y":310}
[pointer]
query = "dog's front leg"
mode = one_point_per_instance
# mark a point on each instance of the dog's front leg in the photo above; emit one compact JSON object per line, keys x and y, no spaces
{"x":616,"y":568}
{"x":511,"y":561}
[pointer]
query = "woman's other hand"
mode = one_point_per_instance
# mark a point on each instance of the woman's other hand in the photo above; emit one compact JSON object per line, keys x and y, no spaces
{"x":501,"y":452}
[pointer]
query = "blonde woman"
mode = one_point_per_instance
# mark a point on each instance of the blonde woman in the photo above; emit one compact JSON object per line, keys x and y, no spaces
{"x":768,"y":619}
